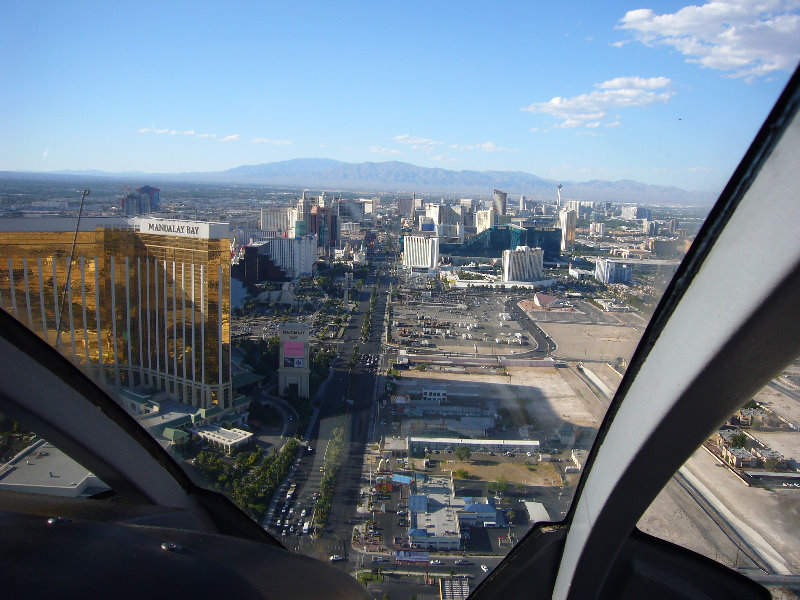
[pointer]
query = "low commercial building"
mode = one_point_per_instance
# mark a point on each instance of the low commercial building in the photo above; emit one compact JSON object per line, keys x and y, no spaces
{"x":537,"y":513}
{"x":480,"y":512}
{"x":453,"y":588}
{"x":418,"y":445}
{"x":41,"y":468}
{"x":224,"y":439}
{"x":473,"y":427}
{"x":433,"y":516}
{"x":434,"y":393}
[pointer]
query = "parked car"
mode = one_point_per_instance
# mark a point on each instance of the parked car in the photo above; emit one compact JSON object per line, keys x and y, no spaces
{"x":436,"y":562}
{"x":484,"y":568}
{"x":336,"y":558}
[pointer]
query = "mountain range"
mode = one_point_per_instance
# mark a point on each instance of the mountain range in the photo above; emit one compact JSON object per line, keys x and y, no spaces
{"x":399,"y":177}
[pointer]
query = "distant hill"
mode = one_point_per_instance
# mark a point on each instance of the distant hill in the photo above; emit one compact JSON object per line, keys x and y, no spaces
{"x":400,"y":177}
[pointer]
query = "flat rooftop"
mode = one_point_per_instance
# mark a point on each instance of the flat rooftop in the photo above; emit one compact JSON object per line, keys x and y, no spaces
{"x":42,"y":465}
{"x":220,"y":435}
{"x":472,"y":442}
{"x":441,"y":518}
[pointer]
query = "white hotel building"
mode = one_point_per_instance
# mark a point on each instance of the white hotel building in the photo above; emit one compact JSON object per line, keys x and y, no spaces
{"x":523,"y":264}
{"x":420,"y":254}
{"x":279,"y":221}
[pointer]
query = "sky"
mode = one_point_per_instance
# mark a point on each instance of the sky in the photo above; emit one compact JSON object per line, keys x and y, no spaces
{"x":659,"y":92}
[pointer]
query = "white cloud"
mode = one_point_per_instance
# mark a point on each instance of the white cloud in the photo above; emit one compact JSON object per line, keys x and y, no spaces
{"x":206,"y":135}
{"x":384,"y":151}
{"x":619,"y":44}
{"x":230,"y":138}
{"x":260,"y":140}
{"x":484,"y":147}
{"x":444,"y":158}
{"x":746,"y":38}
{"x":45,"y":153}
{"x":700,"y":169}
{"x":587,"y":109}
{"x":417,"y":143}
{"x":169,"y":131}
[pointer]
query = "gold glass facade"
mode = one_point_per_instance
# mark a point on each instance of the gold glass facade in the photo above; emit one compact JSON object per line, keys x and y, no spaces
{"x":139,"y":309}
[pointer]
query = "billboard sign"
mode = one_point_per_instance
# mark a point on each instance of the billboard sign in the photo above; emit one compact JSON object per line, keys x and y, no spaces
{"x":293,"y":348}
{"x":293,"y":363}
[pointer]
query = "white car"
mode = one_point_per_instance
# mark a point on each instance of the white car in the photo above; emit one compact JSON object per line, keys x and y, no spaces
{"x":484,"y":568}
{"x":436,"y":562}
{"x":336,"y":558}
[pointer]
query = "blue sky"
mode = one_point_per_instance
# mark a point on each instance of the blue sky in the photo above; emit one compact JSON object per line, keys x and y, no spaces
{"x":658,"y":92}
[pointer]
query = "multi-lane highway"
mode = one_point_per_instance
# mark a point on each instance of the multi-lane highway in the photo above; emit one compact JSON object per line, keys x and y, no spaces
{"x":359,"y":387}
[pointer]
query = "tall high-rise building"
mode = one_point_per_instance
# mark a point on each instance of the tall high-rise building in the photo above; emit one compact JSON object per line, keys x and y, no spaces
{"x":147,"y":301}
{"x":325,"y":225}
{"x":144,"y":201}
{"x":484,"y":219}
{"x":405,"y":206}
{"x":279,"y":220}
{"x":609,"y":271}
{"x":499,"y":202}
{"x":569,"y":220}
{"x":153,"y":197}
{"x":420,"y":253}
{"x":523,"y":264}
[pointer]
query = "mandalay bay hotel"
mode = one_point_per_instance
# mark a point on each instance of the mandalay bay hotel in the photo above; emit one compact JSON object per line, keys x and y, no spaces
{"x":140,"y":303}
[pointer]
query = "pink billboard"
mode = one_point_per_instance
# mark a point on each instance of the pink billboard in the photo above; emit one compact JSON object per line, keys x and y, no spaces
{"x":293,"y":349}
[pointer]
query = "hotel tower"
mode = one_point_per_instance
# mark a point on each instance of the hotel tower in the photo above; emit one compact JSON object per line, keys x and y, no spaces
{"x":141,"y":302}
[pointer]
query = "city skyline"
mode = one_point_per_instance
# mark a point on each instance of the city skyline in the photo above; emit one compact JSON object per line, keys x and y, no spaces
{"x":577,"y":92}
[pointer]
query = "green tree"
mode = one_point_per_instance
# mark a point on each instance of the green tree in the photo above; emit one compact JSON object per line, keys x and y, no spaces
{"x":461,"y":474}
{"x":738,"y":440}
{"x":462,"y":453}
{"x":502,"y":484}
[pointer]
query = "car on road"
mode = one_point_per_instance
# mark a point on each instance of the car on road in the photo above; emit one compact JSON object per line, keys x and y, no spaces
{"x":462,"y":561}
{"x":336,"y":558}
{"x":484,"y":568}
{"x":436,"y":562}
